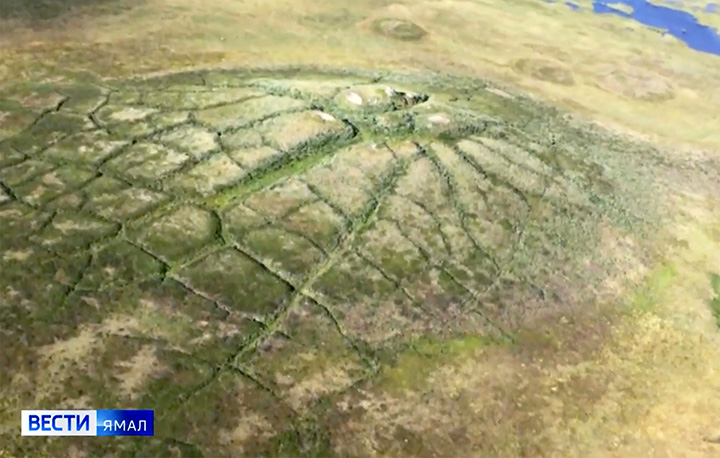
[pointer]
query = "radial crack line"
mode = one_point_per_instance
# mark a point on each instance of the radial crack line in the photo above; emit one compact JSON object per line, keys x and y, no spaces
{"x":327,"y":309}
{"x":442,"y":268}
{"x":487,"y":174}
{"x":346,"y":240}
{"x":460,"y":210}
{"x":436,"y":220}
{"x":395,"y":281}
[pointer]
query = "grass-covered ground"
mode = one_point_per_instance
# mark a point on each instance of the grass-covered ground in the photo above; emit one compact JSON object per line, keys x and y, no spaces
{"x":262,"y":253}
{"x":355,"y":263}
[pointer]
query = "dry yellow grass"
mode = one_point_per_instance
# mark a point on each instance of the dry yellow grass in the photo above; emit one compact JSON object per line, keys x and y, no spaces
{"x":658,"y":368}
{"x":616,"y":71}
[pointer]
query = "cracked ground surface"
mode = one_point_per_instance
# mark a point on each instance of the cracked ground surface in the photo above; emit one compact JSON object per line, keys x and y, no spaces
{"x":272,"y":260}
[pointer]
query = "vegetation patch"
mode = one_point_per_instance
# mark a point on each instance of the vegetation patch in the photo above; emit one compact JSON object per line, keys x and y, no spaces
{"x":654,"y":289}
{"x":398,"y":29}
{"x":249,"y":249}
{"x":413,"y":364}
{"x":715,"y":301}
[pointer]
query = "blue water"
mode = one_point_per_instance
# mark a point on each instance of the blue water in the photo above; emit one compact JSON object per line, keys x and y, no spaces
{"x":680,"y":24}
{"x":712,"y":8}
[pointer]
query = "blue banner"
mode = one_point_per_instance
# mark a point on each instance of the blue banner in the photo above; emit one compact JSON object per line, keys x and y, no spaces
{"x":125,"y":423}
{"x":87,"y":423}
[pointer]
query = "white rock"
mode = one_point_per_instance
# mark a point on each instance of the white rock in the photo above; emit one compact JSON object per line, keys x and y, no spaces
{"x":354,"y":98}
{"x":438,"y":119}
{"x":499,"y":92}
{"x":325,"y":116}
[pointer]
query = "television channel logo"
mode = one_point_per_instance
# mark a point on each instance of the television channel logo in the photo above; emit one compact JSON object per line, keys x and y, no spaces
{"x":87,"y":422}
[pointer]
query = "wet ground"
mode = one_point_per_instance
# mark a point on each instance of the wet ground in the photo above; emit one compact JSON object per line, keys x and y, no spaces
{"x":358,"y":261}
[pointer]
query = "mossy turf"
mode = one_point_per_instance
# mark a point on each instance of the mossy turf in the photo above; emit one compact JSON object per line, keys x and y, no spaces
{"x":715,"y":301}
{"x":240,"y":250}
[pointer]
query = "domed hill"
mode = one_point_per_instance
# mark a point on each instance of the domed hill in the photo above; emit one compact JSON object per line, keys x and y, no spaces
{"x":250,"y":253}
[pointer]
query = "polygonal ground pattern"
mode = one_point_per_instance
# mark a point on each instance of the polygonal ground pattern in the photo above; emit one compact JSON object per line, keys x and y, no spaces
{"x":250,"y":243}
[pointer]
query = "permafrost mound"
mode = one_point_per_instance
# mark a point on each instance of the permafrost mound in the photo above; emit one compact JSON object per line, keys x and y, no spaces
{"x":246,"y":252}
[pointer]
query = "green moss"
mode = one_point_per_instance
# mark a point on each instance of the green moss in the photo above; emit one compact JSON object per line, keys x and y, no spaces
{"x":83,"y":98}
{"x":263,"y":177}
{"x":146,"y":446}
{"x":352,"y":279}
{"x":178,"y":234}
{"x":47,"y":187}
{"x":147,"y":163}
{"x":654,"y":289}
{"x":44,"y":281}
{"x":310,"y":439}
{"x":393,"y":123}
{"x":176,"y":329}
{"x":20,"y":173}
{"x":238,"y":220}
{"x":118,"y":264}
{"x":72,"y":231}
{"x":85,"y":148}
{"x":308,"y":129}
{"x":47,"y":130}
{"x":227,"y":301}
{"x":420,"y":358}
{"x":169,"y":314}
{"x":114,"y":200}
{"x":715,"y":302}
{"x":319,"y":222}
{"x":237,"y":281}
{"x":150,"y":124}
{"x":9,"y":156}
{"x":219,"y":404}
{"x":197,"y":97}
{"x":291,"y":253}
{"x":311,"y":352}
{"x":402,"y":264}
{"x":252,"y":110}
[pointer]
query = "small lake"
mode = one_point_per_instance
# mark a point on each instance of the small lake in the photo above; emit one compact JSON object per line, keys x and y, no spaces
{"x":676,"y":22}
